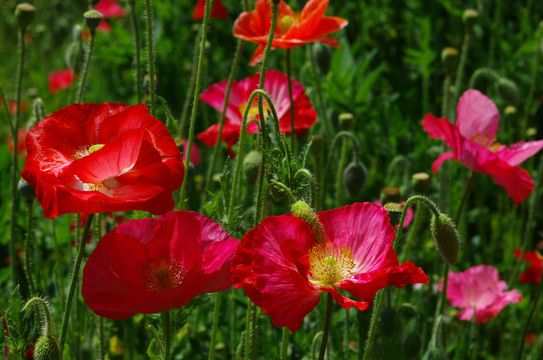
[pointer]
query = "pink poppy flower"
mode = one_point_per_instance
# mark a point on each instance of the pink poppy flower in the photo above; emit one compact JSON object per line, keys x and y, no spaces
{"x":532,"y":275}
{"x":170,"y":260}
{"x":284,"y":270}
{"x":408,"y":216}
{"x":183,"y":145}
{"x":218,"y":11}
{"x":61,"y":79}
{"x":473,"y":143}
{"x":478,"y":290}
{"x":276,"y":85}
{"x":110,"y":9}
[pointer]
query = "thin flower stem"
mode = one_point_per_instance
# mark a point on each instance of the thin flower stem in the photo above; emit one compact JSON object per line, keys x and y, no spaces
{"x":6,"y":110}
{"x":46,"y":313}
{"x":150,"y":55}
{"x":460,"y":69}
{"x":215,"y":153}
{"x":429,"y":203}
{"x":83,"y":82}
{"x":182,"y":192}
{"x":326,"y":328}
{"x":137,"y":48}
{"x":284,"y":343}
{"x":483,"y":73}
{"x":311,"y":180}
{"x":289,"y":77}
{"x":439,"y":306}
{"x":102,"y":338}
{"x":473,"y":335}
{"x":528,"y":322}
{"x":216,"y":311}
{"x":323,"y":113}
{"x":373,"y":323}
{"x":73,"y":281}
{"x":188,"y":98}
{"x":465,"y":195}
{"x":412,"y":233}
{"x":166,"y":333}
{"x":28,"y":249}
{"x":339,"y":173}
{"x":248,"y":322}
{"x":279,"y":185}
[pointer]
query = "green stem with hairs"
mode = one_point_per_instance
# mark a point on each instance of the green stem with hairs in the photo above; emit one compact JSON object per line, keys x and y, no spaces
{"x":339,"y":173}
{"x":373,"y":323}
{"x":28,"y":249}
{"x":412,"y":233}
{"x":312,"y":184}
{"x":429,"y":203}
{"x":83,"y":82}
{"x":316,"y":73}
{"x":214,"y":329}
{"x":248,"y":327}
{"x":185,"y":112}
{"x":279,"y":185}
{"x":483,"y":73}
{"x":46,"y":313}
{"x":137,"y":48}
{"x":284,"y":343}
{"x":150,"y":56}
{"x":289,"y":78}
{"x":327,"y":323}
{"x":73,"y":281}
{"x":166,"y":333}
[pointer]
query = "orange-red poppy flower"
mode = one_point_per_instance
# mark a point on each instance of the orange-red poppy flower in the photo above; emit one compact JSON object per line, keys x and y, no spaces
{"x":218,"y":11}
{"x":293,"y":28}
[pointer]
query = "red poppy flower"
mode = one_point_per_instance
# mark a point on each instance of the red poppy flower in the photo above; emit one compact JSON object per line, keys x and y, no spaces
{"x":110,"y":9}
{"x":21,"y":143}
{"x":473,"y":143}
{"x":89,"y":158}
{"x":170,"y":261}
{"x":479,"y":290}
{"x":218,"y":11}
{"x":61,"y":79}
{"x":276,"y":85}
{"x":532,"y":275}
{"x":284,"y":270}
{"x":293,"y":28}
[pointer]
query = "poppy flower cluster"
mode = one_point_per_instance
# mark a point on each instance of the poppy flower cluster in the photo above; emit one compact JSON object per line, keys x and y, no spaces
{"x":293,"y":28}
{"x":473,"y":143}
{"x":479,"y":291}
{"x":276,"y":85}
{"x":284,"y":270}
{"x":89,"y":158}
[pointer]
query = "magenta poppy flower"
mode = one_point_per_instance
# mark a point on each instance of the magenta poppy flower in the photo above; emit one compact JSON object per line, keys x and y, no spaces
{"x":479,"y":290}
{"x":218,"y":11}
{"x":153,"y":265}
{"x":473,"y":143}
{"x":110,"y":9}
{"x":89,"y":158}
{"x":532,"y":274}
{"x":284,"y":270}
{"x":276,"y":85}
{"x":59,"y":80}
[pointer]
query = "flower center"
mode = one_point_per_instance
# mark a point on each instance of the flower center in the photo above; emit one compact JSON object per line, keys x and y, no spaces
{"x":253,"y":109}
{"x":330,"y":264}
{"x":486,"y":141}
{"x":87,"y":150}
{"x":285,"y":23}
{"x":163,"y":274}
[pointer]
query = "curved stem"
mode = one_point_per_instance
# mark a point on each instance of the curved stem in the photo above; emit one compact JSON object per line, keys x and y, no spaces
{"x":216,"y":311}
{"x":137,"y":48}
{"x":83,"y":82}
{"x":535,"y":299}
{"x":412,"y":232}
{"x":339,"y":173}
{"x":279,"y":185}
{"x":311,"y":181}
{"x":284,"y":343}
{"x":151,"y":56}
{"x":373,"y":324}
{"x":28,"y":249}
{"x":46,"y":313}
{"x":166,"y":333}
{"x":195,"y":101}
{"x":326,"y":328}
{"x":484,"y":73}
{"x":73,"y":281}
{"x":289,"y":78}
{"x":429,"y":203}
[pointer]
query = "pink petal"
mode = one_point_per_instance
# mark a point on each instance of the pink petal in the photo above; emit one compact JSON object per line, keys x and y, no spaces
{"x":520,"y":151}
{"x":477,"y":117}
{"x":441,"y":128}
{"x":441,"y":159}
{"x":214,"y":96}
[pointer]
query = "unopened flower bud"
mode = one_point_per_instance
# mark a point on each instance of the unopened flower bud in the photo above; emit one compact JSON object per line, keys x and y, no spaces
{"x":421,"y":183}
{"x":24,"y":13}
{"x":346,"y":121}
{"x":77,"y":30}
{"x":508,"y":91}
{"x":323,"y":56}
{"x":26,"y":190}
{"x":411,"y":345}
{"x":510,"y":111}
{"x":93,"y":18}
{"x":354,"y":178}
{"x":531,"y":132}
{"x":390,"y":194}
{"x":469,"y":17}
{"x":449,"y":59}
{"x":251,"y":166}
{"x":446,"y":237}
{"x":47,"y":348}
{"x":394,"y":212}
{"x":303,"y":211}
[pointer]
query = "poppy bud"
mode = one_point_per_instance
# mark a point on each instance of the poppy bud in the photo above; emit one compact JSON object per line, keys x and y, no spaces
{"x":411,"y":345}
{"x":93,"y":18}
{"x":323,"y":56}
{"x":531,"y":132}
{"x":446,"y":237}
{"x":26,"y":190}
{"x":469,"y":17}
{"x":303,"y":211}
{"x":510,"y":111}
{"x":251,"y":166}
{"x":346,"y":121}
{"x":449,"y":59}
{"x":508,"y":91}
{"x":390,"y":194}
{"x":421,"y":183}
{"x":77,"y":30}
{"x":47,"y":348}
{"x":394,"y":212}
{"x":354,"y":178}
{"x":24,"y":13}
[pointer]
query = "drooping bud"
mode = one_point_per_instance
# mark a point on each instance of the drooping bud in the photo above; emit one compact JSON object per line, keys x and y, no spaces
{"x":469,"y":17}
{"x":446,"y":237}
{"x":394,"y":212}
{"x":354,"y":178}
{"x":421,"y":183}
{"x":390,"y":194}
{"x":93,"y":18}
{"x":251,"y":166}
{"x":323,"y":56}
{"x":24,"y":13}
{"x":508,"y":91}
{"x":346,"y":121}
{"x":47,"y":348}
{"x":26,"y":190}
{"x":449,"y":59}
{"x":303,"y":211}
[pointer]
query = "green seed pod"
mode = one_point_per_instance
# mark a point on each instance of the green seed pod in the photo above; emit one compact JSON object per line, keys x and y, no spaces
{"x":469,"y":17}
{"x":251,"y":166}
{"x":446,"y":237}
{"x":411,"y":345}
{"x":26,"y":190}
{"x":394,"y":212}
{"x":24,"y":13}
{"x":303,"y":211}
{"x":93,"y":18}
{"x":508,"y":91}
{"x":390,"y":194}
{"x":449,"y":59}
{"x":346,"y":121}
{"x":421,"y":183}
{"x":47,"y":348}
{"x":354,"y":179}
{"x":323,"y":56}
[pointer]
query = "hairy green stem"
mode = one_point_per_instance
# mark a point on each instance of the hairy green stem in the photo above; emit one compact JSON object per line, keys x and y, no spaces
{"x":460,"y":70}
{"x":248,"y":327}
{"x":150,"y":55}
{"x":83,"y":82}
{"x":327,"y":323}
{"x":284,"y":343}
{"x":214,"y":329}
{"x":289,"y":78}
{"x":137,"y":48}
{"x":28,"y":250}
{"x":279,"y":185}
{"x":46,"y":313}
{"x":186,"y":105}
{"x":373,"y":323}
{"x":311,"y":180}
{"x":412,"y":233}
{"x":318,"y":81}
{"x":483,"y":73}
{"x":339,"y":173}
{"x":429,"y":203}
{"x":166,"y":333}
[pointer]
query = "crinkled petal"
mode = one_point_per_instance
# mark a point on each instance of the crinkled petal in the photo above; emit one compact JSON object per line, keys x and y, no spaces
{"x":477,"y":117}
{"x":520,"y":151}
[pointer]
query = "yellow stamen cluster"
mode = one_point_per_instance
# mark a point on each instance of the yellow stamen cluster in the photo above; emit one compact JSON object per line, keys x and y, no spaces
{"x":87,"y":150}
{"x":285,"y":23}
{"x":253,"y":109}
{"x":163,"y":274}
{"x":330,"y":264}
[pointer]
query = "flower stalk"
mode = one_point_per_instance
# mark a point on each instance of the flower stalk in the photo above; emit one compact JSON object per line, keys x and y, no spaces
{"x":151,"y":56}
{"x":326,"y":328}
